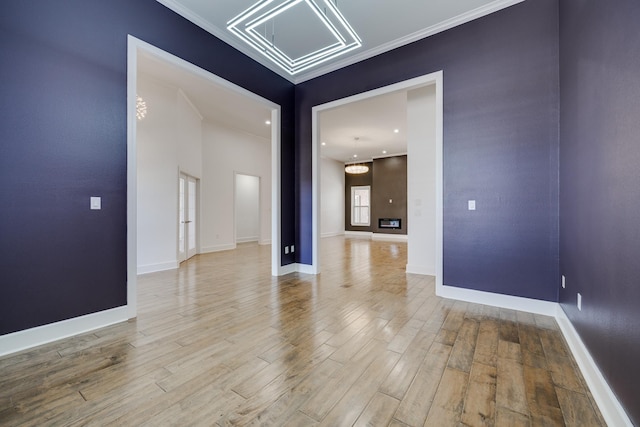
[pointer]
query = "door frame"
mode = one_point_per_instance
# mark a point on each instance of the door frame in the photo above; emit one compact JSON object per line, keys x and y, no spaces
{"x":235,"y":201}
{"x":135,"y":47}
{"x":434,"y":78}
{"x":196,"y":180}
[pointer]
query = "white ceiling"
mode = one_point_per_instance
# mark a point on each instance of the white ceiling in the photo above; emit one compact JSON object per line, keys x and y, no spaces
{"x":214,"y":102}
{"x":373,"y":121}
{"x":381,"y":24}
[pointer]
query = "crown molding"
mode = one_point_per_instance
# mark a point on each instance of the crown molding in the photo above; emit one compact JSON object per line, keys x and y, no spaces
{"x":226,"y":37}
{"x":394,"y":44}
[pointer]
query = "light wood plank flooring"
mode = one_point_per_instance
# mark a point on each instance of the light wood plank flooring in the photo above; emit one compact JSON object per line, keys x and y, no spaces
{"x":220,"y":341}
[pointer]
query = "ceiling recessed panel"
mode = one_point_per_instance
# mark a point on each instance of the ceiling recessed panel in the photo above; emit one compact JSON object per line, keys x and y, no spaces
{"x":283,"y":31}
{"x":381,"y":25}
{"x":253,"y":24}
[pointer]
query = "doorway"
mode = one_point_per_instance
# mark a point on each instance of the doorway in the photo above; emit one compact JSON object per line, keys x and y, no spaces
{"x":247,"y":208}
{"x":434,"y":80}
{"x":136,"y":48}
{"x":187,"y":217}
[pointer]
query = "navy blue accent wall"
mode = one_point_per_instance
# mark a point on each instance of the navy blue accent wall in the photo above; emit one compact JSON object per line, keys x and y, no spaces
{"x":63,"y":130}
{"x":600,"y":185}
{"x":500,"y":144}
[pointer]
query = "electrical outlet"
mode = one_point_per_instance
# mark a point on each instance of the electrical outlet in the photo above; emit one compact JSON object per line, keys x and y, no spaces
{"x":579,"y":301}
{"x":471,"y":204}
{"x":564,"y":282}
{"x":293,"y":249}
{"x":286,"y":250}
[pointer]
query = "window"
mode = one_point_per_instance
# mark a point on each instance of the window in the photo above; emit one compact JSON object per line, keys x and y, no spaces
{"x":360,"y":205}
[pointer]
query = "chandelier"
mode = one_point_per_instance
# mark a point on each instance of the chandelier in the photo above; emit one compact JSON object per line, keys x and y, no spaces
{"x":141,"y":108}
{"x":356,"y":168}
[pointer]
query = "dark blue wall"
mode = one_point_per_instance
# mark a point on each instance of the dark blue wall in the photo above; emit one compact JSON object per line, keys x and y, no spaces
{"x":500,"y":144}
{"x":600,"y":185}
{"x":63,"y":129}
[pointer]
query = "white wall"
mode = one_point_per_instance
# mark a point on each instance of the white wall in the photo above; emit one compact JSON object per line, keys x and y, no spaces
{"x":226,"y":152}
{"x":169,"y":138}
{"x":331,"y":198}
{"x":247,"y":210}
{"x":421,"y":180}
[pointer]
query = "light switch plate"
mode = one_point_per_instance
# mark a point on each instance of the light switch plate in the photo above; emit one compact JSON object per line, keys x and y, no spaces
{"x":472,"y":205}
{"x":96,"y":203}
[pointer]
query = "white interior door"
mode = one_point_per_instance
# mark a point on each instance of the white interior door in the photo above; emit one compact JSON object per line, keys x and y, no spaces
{"x":187,"y":218}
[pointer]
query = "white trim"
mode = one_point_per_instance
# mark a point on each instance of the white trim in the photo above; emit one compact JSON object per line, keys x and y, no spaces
{"x":264,"y":242}
{"x":358,"y":234}
{"x":218,"y":248}
{"x":355,"y":188}
{"x":435,"y":78}
{"x":610,"y":408}
{"x":276,"y":215}
{"x":608,"y":404}
{"x":134,"y":46}
{"x":418,"y":35}
{"x":132,"y":178}
{"x":498,"y":300}
{"x":385,"y":237}
{"x":22,"y":340}
{"x":247,"y":239}
{"x":332,"y":234}
{"x":227,"y":37}
{"x":421,"y":269}
{"x":288,"y":269}
{"x":163,"y":266}
{"x":305,"y":269}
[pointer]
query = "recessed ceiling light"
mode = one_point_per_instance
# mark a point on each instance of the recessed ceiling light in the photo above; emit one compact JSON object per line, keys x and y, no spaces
{"x":324,"y":143}
{"x":249,"y":24}
{"x":396,"y":131}
{"x":355,"y":155}
{"x":384,"y":151}
{"x":267,"y":122}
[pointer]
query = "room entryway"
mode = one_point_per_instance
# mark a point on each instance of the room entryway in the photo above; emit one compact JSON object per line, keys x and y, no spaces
{"x":187,"y":217}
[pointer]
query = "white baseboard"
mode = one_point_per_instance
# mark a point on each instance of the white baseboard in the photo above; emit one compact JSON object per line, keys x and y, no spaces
{"x":306,"y":269}
{"x":358,"y":234}
{"x":152,"y":268}
{"x":218,"y":248}
{"x":611,"y":409}
{"x":377,"y":236}
{"x":609,"y":406}
{"x":333,"y":234}
{"x":288,"y":269}
{"x":498,"y":300}
{"x":384,"y":237}
{"x":22,"y":340}
{"x":424,"y":270}
{"x":247,"y":239}
{"x":264,"y":242}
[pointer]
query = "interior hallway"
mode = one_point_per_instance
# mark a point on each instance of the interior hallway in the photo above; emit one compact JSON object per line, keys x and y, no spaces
{"x":220,"y":340}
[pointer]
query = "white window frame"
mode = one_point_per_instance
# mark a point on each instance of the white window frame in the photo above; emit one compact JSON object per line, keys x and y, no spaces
{"x":353,"y":205}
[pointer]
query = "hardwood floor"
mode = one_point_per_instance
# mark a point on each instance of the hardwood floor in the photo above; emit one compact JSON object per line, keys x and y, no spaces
{"x":220,"y":341}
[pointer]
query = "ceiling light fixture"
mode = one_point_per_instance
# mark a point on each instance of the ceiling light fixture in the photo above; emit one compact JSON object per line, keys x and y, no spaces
{"x":396,"y":131}
{"x":245,"y":26}
{"x":141,"y":108}
{"x":267,"y":122}
{"x":358,"y":167}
